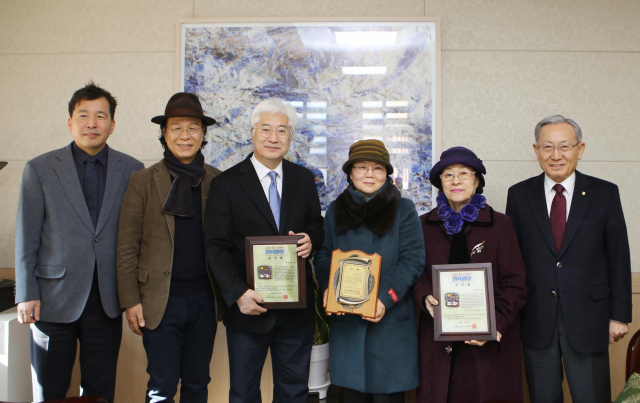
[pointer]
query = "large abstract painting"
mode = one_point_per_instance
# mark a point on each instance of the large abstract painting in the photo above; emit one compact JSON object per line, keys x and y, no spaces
{"x":348,"y":81}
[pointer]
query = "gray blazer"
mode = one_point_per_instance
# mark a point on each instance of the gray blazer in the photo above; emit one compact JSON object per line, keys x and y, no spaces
{"x":56,"y":243}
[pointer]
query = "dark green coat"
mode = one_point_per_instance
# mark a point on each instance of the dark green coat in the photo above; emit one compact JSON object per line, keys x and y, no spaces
{"x":377,"y":357}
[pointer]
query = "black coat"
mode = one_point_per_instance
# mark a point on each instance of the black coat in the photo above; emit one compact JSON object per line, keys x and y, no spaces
{"x":592,"y":272}
{"x":238,"y":208}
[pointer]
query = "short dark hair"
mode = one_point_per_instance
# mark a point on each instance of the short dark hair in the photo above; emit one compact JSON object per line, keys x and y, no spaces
{"x":90,"y":92}
{"x":164,"y":142}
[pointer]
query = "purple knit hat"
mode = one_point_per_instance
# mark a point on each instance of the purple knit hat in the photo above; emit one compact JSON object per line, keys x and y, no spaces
{"x":456,"y":155}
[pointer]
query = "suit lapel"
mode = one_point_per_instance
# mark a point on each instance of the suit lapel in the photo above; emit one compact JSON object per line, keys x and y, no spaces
{"x":111,"y":188}
{"x":538,"y":203}
{"x":162,"y":179}
{"x":579,"y":204}
{"x":251,"y":184}
{"x":65,"y":167}
{"x":289,"y":186}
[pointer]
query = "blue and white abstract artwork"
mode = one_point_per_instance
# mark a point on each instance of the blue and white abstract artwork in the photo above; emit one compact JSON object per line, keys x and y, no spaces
{"x":348,"y":81}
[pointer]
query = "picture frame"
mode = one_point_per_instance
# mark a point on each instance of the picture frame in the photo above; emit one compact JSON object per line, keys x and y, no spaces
{"x":466,"y":308}
{"x":348,"y":78}
{"x":276,"y":272}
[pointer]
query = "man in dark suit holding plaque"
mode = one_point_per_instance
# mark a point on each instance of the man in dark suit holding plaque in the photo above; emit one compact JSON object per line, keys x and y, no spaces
{"x":574,"y":244}
{"x":264,"y":195}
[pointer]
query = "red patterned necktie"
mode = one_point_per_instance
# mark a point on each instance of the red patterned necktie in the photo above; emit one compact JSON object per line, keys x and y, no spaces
{"x":558,"y":216}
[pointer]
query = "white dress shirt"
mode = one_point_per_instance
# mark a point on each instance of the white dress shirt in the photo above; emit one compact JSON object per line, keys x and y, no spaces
{"x":263,"y":175}
{"x":568,"y":184}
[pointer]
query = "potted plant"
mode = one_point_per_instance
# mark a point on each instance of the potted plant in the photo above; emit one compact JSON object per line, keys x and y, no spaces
{"x":319,"y":371}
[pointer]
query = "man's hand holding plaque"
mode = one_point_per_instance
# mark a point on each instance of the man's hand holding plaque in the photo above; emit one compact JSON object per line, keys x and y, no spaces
{"x":354,"y":279}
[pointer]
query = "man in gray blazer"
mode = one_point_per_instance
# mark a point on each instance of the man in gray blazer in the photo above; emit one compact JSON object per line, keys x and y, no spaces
{"x":66,"y":231}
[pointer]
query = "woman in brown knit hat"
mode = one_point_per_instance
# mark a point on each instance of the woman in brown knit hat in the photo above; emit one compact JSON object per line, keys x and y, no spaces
{"x":375,"y":359}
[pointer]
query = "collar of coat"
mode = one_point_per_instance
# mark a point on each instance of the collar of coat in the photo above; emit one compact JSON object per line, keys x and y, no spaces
{"x":485,"y":218}
{"x":377,"y":214}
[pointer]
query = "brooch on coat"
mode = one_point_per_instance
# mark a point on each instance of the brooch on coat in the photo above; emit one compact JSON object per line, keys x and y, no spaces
{"x":478,"y":248}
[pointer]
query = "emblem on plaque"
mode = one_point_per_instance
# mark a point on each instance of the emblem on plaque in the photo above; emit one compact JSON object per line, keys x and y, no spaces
{"x":264,"y":272}
{"x":452,"y":299}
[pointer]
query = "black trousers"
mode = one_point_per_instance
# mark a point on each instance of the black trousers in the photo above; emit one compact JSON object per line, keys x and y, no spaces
{"x":180,"y":349}
{"x":587,"y":374}
{"x":53,"y":353}
{"x":354,"y":396}
{"x":290,"y":358}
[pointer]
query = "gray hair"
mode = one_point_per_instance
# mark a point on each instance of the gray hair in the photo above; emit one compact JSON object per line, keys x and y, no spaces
{"x":274,"y":106}
{"x":557,"y":119}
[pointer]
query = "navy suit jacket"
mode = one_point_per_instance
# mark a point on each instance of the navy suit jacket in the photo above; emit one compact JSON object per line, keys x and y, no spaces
{"x":237,"y":208}
{"x":57,"y":245}
{"x":590,"y":276}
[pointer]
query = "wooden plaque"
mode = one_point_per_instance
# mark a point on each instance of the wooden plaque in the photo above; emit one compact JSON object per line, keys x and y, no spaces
{"x":354,"y":280}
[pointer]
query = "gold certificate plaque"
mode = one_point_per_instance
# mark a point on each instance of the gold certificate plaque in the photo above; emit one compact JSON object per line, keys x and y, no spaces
{"x":276,"y":272}
{"x":466,"y":308}
{"x":354,"y":279}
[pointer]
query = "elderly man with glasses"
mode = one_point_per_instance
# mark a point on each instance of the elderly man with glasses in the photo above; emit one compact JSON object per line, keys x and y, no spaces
{"x":264,"y":195}
{"x":573,"y":239}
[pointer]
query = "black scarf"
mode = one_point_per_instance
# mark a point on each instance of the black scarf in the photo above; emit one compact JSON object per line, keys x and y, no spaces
{"x":186,"y":176}
{"x":376,"y":214}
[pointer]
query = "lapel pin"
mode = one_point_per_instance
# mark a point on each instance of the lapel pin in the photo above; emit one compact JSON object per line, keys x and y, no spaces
{"x":478,"y":248}
{"x":584,"y":193}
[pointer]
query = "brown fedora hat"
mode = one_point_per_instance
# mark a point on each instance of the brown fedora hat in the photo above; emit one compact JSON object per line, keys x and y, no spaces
{"x":184,"y":105}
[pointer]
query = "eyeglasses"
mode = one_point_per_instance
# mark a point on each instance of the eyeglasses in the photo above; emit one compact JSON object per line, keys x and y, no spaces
{"x":462,"y":175}
{"x":192,"y":130}
{"x":363,"y":169}
{"x":563,"y":148}
{"x":281,"y":131}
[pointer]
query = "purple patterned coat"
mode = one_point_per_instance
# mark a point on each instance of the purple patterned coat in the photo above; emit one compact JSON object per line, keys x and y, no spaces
{"x":493,"y":371}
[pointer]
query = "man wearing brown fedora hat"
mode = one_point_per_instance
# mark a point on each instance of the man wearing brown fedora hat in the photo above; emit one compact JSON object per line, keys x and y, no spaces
{"x":163,"y":279}
{"x":264,"y":195}
{"x":66,"y":230}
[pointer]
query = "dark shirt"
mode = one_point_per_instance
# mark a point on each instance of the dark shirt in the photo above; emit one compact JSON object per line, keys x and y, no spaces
{"x":81,"y":157}
{"x":189,"y":273}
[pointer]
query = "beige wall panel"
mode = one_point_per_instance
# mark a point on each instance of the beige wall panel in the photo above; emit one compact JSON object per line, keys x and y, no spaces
{"x":304,"y":8}
{"x":10,"y":179}
{"x":501,"y":176}
{"x":36,"y":90}
{"x":538,"y":25}
{"x":491,"y":101}
{"x":90,"y":26}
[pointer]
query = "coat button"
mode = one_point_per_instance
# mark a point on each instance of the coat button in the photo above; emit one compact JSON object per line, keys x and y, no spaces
{"x":554,"y":294}
{"x":559,"y":265}
{"x":448,"y":349}
{"x":95,"y":240}
{"x":167,"y":273}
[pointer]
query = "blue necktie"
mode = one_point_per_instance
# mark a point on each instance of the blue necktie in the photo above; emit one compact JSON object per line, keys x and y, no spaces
{"x":90,"y":188}
{"x":274,"y":198}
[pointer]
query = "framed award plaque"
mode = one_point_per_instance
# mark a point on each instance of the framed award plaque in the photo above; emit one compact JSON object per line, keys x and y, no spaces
{"x":276,"y":272}
{"x":466,"y":309}
{"x":354,"y":279}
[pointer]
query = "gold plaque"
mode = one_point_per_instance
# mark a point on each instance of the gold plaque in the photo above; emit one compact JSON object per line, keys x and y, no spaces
{"x":354,"y":279}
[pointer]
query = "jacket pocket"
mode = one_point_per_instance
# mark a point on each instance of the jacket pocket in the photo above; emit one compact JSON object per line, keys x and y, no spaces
{"x":600,"y":291}
{"x":50,"y":271}
{"x":142,"y":275}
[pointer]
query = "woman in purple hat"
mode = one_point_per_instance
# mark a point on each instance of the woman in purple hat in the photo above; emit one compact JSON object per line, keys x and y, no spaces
{"x":463,"y":228}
